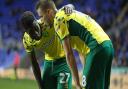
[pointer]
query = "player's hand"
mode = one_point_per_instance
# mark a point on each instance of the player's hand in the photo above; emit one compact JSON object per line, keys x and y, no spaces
{"x":78,"y":87}
{"x":40,"y":88}
{"x":68,"y":9}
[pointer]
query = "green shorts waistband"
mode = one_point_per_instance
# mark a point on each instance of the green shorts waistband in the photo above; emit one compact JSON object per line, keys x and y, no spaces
{"x":106,"y":43}
{"x":56,"y":61}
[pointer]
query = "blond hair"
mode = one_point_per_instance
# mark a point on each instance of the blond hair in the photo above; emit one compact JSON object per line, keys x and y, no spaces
{"x":45,"y":4}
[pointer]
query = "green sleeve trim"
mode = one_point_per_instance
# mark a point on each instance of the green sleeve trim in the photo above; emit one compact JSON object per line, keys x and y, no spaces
{"x":62,"y":40}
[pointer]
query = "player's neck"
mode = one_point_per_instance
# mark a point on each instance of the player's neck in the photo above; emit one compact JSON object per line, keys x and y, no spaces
{"x":55,"y":11}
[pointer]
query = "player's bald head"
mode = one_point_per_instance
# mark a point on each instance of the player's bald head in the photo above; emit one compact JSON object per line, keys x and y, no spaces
{"x":30,"y":25}
{"x":27,"y":19}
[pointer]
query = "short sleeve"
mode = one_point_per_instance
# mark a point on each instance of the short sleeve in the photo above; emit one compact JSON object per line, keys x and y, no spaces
{"x":61,"y":27}
{"x":27,"y":44}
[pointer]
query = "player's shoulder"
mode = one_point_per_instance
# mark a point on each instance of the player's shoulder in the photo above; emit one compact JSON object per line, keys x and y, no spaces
{"x":27,"y":42}
{"x":60,"y":12}
{"x":60,"y":18}
{"x":26,"y":36}
{"x":27,"y":39}
{"x":60,"y":15}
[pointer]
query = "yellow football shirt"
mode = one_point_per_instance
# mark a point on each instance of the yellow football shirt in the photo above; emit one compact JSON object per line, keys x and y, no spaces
{"x":51,"y":45}
{"x":80,"y":25}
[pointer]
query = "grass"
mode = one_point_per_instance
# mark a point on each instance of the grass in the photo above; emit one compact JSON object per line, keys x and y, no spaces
{"x":17,"y":84}
{"x":6,"y":83}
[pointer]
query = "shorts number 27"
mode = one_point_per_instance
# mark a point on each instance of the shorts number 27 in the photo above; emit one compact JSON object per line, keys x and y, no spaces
{"x":64,"y":77}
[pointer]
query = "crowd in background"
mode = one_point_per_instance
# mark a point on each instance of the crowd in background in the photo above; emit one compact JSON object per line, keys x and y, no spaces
{"x":112,"y":15}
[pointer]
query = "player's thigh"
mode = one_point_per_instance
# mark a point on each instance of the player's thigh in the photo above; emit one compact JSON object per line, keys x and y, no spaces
{"x":64,"y":81}
{"x":108,"y":68}
{"x":48,"y":81}
{"x":93,"y":74}
{"x":64,"y":77}
{"x":107,"y":75}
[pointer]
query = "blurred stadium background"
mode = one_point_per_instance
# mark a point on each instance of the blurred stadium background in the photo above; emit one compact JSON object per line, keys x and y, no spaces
{"x":112,"y":15}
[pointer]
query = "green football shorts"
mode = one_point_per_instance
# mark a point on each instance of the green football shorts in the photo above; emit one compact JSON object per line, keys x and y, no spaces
{"x":96,"y":73}
{"x":56,"y":75}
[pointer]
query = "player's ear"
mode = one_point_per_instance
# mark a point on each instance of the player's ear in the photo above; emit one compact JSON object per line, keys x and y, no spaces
{"x":49,"y":11}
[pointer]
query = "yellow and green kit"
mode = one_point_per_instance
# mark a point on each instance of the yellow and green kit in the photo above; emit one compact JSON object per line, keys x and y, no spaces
{"x":56,"y":73}
{"x":96,"y":73}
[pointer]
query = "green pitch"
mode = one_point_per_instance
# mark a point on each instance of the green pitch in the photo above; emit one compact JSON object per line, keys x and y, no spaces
{"x":17,"y":84}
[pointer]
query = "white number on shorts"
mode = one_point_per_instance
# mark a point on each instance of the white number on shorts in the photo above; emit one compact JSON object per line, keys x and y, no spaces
{"x":84,"y":81}
{"x":64,"y":77}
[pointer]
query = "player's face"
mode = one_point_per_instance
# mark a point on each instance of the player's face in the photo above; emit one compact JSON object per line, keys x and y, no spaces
{"x":46,"y":16}
{"x":35,"y":31}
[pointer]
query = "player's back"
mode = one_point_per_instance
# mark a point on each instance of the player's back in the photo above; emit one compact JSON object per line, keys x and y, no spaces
{"x":81,"y":25}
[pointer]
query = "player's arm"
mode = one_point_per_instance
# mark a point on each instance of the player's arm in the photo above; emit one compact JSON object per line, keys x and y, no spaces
{"x":82,"y":58}
{"x":36,"y":68}
{"x":31,"y":29}
{"x":61,"y":28}
{"x":71,"y":60}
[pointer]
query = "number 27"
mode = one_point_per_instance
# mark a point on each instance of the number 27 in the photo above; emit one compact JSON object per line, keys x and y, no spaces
{"x":64,"y":77}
